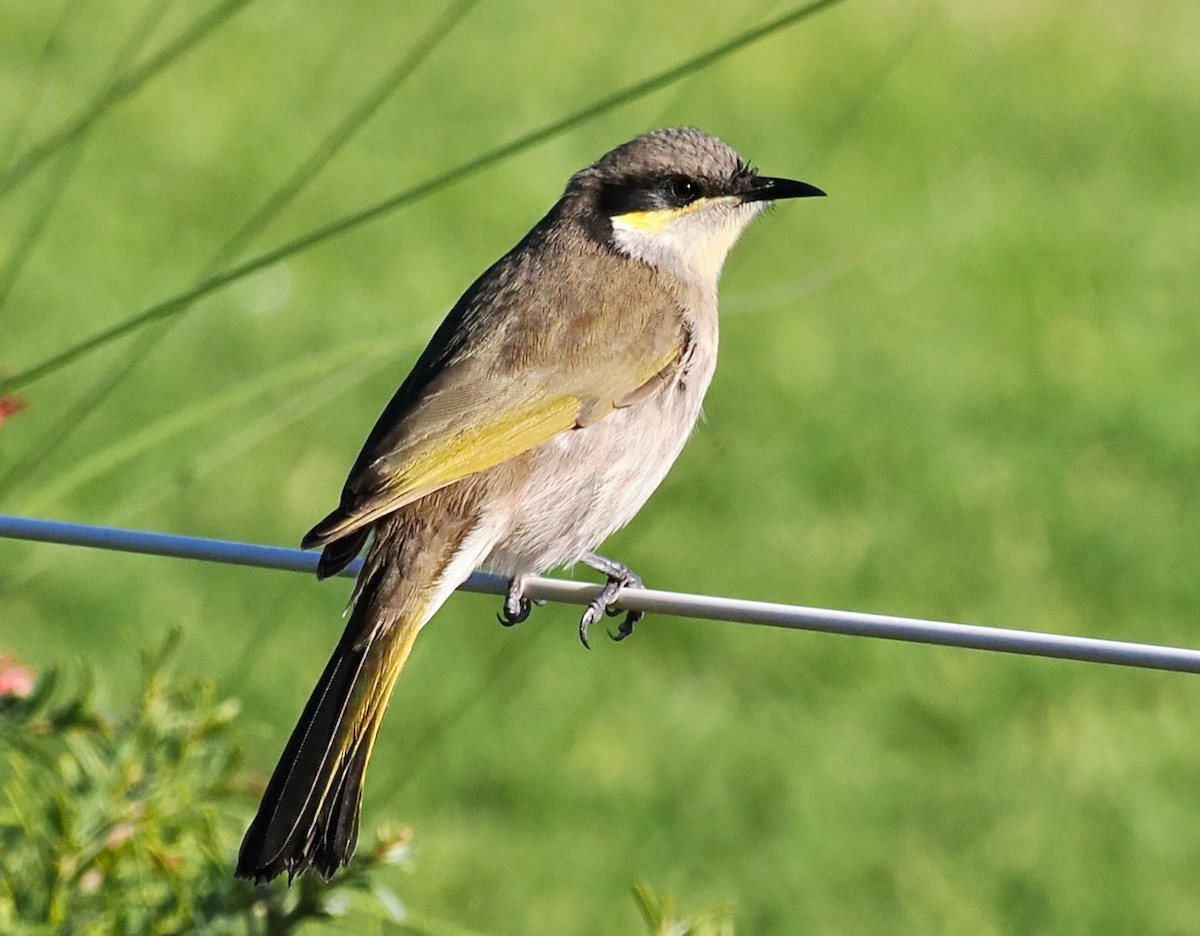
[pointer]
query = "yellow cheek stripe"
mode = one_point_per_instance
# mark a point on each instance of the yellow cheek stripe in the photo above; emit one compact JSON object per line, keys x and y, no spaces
{"x":657,"y":219}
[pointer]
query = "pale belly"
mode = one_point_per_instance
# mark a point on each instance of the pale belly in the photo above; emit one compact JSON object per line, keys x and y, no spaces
{"x":569,"y":494}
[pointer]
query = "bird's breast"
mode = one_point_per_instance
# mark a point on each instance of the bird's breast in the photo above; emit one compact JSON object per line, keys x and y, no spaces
{"x":570,"y":493}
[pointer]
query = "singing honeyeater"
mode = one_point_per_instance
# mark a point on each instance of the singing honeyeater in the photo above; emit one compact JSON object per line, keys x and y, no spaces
{"x":548,"y":406}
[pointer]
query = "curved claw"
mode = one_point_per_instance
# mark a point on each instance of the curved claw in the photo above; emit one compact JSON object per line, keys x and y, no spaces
{"x":597,"y":606}
{"x":516,"y":606}
{"x":619,"y":578}
{"x":508,"y":621}
{"x":625,"y":628}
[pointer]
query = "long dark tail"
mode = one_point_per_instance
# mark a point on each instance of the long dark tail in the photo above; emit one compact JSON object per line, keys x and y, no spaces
{"x":309,"y":812}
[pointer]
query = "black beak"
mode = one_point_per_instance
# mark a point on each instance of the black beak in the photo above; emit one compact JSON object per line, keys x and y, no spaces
{"x":764,"y":188}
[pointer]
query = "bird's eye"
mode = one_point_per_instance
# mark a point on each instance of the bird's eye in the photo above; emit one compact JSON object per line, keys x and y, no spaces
{"x":682,"y":190}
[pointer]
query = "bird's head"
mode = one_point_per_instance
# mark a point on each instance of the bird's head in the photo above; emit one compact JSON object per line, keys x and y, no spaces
{"x":678,"y":199}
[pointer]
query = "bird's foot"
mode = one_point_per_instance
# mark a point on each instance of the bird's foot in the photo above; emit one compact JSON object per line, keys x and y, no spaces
{"x":620,"y":577}
{"x":516,"y":605}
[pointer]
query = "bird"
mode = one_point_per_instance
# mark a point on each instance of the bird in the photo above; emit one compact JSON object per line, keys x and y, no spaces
{"x":547,"y":407}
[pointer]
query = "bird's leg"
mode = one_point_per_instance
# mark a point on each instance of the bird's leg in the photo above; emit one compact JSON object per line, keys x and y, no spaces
{"x":620,"y":577}
{"x":516,"y":605}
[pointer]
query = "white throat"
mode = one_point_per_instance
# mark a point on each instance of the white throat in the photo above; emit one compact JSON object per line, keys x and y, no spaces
{"x":692,"y":245}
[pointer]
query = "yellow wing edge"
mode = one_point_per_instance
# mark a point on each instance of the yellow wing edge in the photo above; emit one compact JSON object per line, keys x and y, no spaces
{"x":469,"y":451}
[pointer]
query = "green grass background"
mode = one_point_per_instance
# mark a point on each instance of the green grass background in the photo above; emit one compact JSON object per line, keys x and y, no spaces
{"x":965,"y":386}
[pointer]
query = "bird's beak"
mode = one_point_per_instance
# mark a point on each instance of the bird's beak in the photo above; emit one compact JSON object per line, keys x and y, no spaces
{"x":765,"y":188}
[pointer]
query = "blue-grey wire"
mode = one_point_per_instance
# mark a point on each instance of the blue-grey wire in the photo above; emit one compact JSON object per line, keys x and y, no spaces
{"x":850,"y":623}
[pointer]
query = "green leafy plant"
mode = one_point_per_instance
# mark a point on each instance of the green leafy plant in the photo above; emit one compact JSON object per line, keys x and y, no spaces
{"x":128,"y":824}
{"x":661,"y":918}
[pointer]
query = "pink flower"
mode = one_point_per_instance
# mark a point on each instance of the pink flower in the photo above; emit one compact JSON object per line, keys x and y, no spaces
{"x":15,"y":680}
{"x":10,"y":405}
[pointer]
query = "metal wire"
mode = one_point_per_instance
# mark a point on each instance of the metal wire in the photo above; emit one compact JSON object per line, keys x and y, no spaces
{"x":851,"y":623}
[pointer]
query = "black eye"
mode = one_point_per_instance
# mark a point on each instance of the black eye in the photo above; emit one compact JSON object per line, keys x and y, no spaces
{"x":682,"y":190}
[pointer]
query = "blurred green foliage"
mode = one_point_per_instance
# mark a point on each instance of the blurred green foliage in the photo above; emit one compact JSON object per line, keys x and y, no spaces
{"x":964,"y":386}
{"x":127,"y":824}
{"x":661,"y":918}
